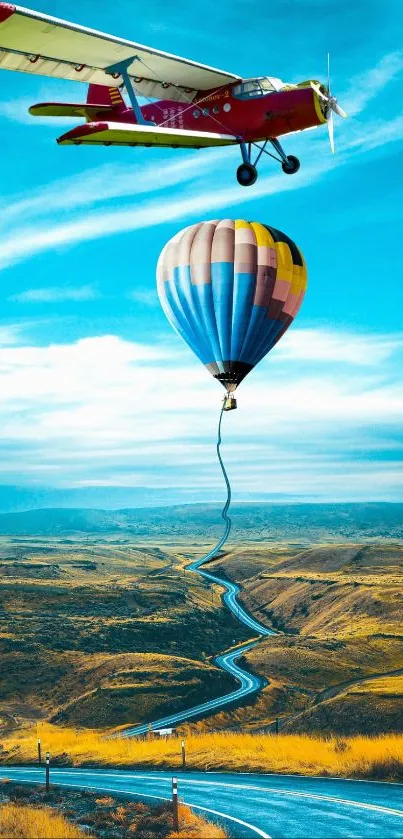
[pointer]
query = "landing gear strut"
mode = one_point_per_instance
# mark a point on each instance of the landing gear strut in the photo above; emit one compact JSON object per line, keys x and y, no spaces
{"x":289,"y":163}
{"x":247,"y":172}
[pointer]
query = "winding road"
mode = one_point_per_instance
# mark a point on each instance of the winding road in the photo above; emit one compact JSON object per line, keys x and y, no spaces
{"x":276,"y":806}
{"x":247,"y":805}
{"x":248,"y":682}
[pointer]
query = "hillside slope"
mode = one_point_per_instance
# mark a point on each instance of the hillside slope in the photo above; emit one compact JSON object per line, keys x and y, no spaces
{"x":339,"y":612}
{"x":98,"y":634}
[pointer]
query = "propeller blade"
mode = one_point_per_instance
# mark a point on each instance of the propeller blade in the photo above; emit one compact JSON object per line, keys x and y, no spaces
{"x":337,"y":109}
{"x":328,"y":72}
{"x":330,"y":128}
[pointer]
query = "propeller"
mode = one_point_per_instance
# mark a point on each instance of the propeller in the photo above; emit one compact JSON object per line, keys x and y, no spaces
{"x":332,"y":105}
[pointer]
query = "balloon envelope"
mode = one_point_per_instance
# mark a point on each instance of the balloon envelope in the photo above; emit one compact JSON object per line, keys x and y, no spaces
{"x":231,"y":289}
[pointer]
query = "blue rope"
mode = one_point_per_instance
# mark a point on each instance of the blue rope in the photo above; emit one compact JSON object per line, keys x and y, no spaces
{"x":224,"y":512}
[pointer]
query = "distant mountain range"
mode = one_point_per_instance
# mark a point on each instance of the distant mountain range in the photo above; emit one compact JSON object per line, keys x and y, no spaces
{"x":16,"y":499}
{"x":251,"y":521}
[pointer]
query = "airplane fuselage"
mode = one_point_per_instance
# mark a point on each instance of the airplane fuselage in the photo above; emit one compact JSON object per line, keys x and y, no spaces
{"x":269,"y":115}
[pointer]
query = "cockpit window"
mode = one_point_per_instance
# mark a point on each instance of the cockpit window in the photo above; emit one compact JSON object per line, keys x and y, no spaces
{"x":252,"y":88}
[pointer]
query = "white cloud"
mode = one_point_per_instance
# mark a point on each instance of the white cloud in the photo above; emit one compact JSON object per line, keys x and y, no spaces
{"x":326,"y":345}
{"x":55,"y":294}
{"x":10,"y":335}
{"x":107,"y":411}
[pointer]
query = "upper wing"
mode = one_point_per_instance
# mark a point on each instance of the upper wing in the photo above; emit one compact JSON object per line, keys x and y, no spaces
{"x":43,"y":45}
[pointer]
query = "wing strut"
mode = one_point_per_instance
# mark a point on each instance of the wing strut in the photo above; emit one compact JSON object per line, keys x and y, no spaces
{"x":120,"y":69}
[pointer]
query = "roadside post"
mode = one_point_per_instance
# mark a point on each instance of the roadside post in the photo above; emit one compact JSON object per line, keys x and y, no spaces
{"x":183,"y":755}
{"x":175,"y":812}
{"x":39,"y":752}
{"x":47,"y":771}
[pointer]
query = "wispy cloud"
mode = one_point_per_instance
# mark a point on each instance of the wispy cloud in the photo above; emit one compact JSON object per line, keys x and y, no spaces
{"x":377,"y":133}
{"x":55,"y":294}
{"x":16,"y":110}
{"x":28,"y":241}
{"x":108,"y":182}
{"x":144,"y":296}
{"x":366,"y":86}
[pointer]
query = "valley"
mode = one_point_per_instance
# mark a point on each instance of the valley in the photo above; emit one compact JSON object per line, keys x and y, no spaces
{"x":99,"y":630}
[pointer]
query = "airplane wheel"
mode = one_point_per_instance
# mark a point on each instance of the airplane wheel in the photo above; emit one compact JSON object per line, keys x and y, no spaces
{"x":291,"y":166}
{"x":246,"y":174}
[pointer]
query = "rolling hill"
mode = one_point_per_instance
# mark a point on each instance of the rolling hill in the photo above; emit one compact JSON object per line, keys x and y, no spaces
{"x":99,"y":634}
{"x":306,"y":523}
{"x":338,"y":609}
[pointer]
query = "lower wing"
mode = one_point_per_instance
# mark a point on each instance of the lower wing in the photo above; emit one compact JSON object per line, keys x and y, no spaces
{"x":120,"y":134}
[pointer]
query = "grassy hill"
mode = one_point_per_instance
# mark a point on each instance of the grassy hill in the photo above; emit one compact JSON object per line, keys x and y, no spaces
{"x":105,"y":628}
{"x":339,"y":613}
{"x":99,"y":634}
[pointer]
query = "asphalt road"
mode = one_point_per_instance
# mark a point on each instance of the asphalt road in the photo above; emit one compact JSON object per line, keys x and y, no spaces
{"x":252,"y":805}
{"x":230,"y":599}
{"x":248,"y":683}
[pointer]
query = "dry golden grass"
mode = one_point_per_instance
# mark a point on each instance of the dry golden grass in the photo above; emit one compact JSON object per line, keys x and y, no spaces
{"x":387,"y":685}
{"x":362,"y":757}
{"x":89,"y":632}
{"x":19,"y":822}
{"x":192,"y":826}
{"x":346,"y":591}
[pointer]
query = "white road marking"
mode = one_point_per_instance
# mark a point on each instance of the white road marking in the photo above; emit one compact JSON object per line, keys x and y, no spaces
{"x":317,"y":796}
{"x":96,"y":788}
{"x":274,"y":790}
{"x":238,"y":821}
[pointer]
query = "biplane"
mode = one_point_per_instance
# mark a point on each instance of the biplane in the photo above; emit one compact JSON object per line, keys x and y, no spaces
{"x":188,"y":105}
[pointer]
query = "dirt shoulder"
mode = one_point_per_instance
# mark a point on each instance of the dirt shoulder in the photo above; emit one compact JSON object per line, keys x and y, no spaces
{"x":99,"y":815}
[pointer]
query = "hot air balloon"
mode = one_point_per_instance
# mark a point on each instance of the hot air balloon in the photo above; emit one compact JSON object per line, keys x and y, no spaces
{"x":231,"y":289}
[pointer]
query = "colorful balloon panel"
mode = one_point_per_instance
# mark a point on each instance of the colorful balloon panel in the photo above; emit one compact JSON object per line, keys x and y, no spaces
{"x":231,"y":289}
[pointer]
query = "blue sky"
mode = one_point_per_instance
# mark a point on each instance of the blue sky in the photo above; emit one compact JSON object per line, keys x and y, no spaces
{"x":96,"y":388}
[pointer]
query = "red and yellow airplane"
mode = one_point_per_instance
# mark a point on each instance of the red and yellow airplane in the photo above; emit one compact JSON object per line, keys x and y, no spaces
{"x":191,"y":105}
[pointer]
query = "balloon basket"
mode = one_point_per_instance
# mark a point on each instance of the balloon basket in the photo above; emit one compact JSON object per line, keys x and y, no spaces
{"x":229,"y":403}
